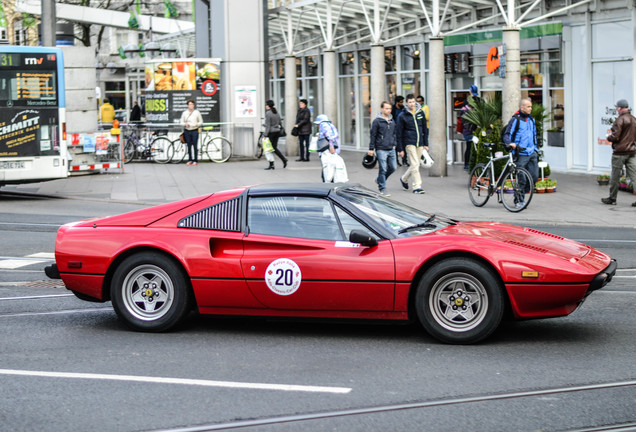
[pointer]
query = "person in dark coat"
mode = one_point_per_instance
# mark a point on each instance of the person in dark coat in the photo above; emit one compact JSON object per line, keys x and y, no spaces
{"x":272,"y":131}
{"x":135,"y":113}
{"x":382,"y":144}
{"x":303,"y":123}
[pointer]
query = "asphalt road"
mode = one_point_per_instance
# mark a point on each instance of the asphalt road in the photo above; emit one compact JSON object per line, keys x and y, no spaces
{"x":70,"y":365}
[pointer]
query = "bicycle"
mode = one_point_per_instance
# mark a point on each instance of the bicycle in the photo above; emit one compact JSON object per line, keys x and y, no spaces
{"x":514,"y":186}
{"x":218,"y":149}
{"x":258,"y":153}
{"x":138,"y":147}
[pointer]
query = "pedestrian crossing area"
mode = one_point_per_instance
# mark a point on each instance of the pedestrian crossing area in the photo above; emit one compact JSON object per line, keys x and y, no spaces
{"x":16,"y":263}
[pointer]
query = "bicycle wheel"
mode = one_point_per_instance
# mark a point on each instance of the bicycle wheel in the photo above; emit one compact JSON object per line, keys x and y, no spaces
{"x":159,"y":150}
{"x":479,"y":185}
{"x":219,"y":149}
{"x":129,"y":151}
{"x":259,"y":147}
{"x":517,"y":189}
{"x":179,"y":151}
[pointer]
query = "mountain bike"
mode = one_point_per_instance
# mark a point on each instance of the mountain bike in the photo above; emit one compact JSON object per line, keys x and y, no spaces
{"x":514,"y":186}
{"x":138,"y":145}
{"x":216,"y":148}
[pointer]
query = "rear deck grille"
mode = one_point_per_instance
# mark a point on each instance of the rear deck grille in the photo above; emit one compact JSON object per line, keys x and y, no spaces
{"x":224,"y":216}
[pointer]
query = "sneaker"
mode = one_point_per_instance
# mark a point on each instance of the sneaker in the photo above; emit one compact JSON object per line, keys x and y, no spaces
{"x":418,"y":191}
{"x":405,"y":185}
{"x":384,"y":193}
{"x":608,"y":201}
{"x":194,"y":163}
{"x":634,"y":204}
{"x":189,"y":163}
{"x":521,"y":204}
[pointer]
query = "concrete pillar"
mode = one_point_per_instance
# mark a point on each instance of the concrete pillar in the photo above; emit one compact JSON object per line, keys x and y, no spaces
{"x":512,"y":82}
{"x":49,"y":26}
{"x":291,"y":105}
{"x":437,"y":105}
{"x":330,"y":86}
{"x":378,"y":80}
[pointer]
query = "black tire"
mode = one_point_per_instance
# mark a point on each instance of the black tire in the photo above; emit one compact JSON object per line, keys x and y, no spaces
{"x":459,"y":301}
{"x":149,"y":291}
{"x":518,"y":189}
{"x":129,"y":151}
{"x":259,"y":148}
{"x":479,"y":185}
{"x":159,"y":150}
{"x":218,"y":149}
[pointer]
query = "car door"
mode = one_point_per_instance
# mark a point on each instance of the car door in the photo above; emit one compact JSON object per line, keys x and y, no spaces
{"x":296,"y":257}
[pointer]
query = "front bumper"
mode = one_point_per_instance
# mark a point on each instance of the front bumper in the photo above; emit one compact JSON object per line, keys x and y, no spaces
{"x":603,"y":278}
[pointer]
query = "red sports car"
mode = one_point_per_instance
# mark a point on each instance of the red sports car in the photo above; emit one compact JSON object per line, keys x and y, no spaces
{"x":323,"y":250}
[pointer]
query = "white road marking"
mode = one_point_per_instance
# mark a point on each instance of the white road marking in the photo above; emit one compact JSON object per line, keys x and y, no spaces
{"x":47,"y":255}
{"x":60,"y":312}
{"x":36,"y":297}
{"x":12,"y":264}
{"x":180,"y":381}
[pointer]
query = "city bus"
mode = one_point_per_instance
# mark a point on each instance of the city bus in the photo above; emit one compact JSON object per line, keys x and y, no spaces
{"x":32,"y":115}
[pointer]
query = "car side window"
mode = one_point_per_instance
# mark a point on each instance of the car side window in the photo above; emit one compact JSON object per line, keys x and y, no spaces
{"x":293,"y":216}
{"x":349,"y":223}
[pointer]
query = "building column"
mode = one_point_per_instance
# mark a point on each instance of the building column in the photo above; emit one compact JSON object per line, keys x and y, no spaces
{"x":512,"y":82}
{"x":378,"y":80}
{"x":291,"y":105}
{"x":437,"y":106}
{"x":330,"y":86}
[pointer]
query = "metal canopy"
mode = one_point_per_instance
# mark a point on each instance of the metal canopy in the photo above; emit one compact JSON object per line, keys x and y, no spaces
{"x":297,"y":26}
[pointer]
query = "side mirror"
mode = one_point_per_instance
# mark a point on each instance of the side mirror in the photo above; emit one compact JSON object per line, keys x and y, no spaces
{"x":363,"y":238}
{"x":475,"y":139}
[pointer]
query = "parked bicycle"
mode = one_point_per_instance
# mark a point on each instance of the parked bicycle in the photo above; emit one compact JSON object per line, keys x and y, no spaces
{"x":216,"y":148}
{"x":514,"y":186}
{"x":146,"y":145}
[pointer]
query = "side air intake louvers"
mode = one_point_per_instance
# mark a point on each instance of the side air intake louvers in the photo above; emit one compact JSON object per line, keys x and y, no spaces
{"x":223,"y":217}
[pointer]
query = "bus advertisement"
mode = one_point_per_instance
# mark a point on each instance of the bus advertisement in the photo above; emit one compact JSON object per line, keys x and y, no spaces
{"x":32,"y":115}
{"x":171,"y":83}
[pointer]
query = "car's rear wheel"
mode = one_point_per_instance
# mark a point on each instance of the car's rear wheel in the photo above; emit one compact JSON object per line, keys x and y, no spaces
{"x":459,"y":301}
{"x":149,"y":292}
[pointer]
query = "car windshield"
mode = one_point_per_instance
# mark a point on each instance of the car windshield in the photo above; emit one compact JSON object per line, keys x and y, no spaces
{"x":403,"y":220}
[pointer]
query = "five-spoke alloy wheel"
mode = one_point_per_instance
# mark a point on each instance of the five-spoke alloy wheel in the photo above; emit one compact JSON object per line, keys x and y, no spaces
{"x":460,"y":301}
{"x":149,"y":291}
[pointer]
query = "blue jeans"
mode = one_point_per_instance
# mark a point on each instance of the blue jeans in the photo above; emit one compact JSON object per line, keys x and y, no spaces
{"x":388,"y":164}
{"x":531,"y":163}
{"x":192,"y":139}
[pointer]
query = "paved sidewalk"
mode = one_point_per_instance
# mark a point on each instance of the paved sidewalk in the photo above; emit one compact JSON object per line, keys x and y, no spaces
{"x":577,"y":200}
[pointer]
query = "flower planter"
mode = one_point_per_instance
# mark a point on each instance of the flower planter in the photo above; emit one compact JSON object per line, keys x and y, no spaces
{"x":549,"y":190}
{"x":603,"y":182}
{"x":540,"y":190}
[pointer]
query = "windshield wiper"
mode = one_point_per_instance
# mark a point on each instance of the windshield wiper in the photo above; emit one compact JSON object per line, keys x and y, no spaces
{"x":426,"y":224}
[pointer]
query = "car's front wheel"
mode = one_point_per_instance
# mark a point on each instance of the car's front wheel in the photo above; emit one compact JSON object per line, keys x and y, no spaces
{"x":149,"y":292}
{"x":459,"y":301}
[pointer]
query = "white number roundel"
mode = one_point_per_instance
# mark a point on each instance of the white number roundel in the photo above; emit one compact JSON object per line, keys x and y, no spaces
{"x":283,"y":276}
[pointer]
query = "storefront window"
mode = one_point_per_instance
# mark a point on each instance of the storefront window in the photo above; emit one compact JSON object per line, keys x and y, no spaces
{"x":554,"y":66}
{"x":347,"y":127}
{"x":391,"y":88}
{"x":313,"y":97}
{"x":281,"y":68}
{"x":411,"y":56}
{"x":299,"y":67}
{"x":347,"y":63}
{"x":410,"y":84}
{"x":270,"y":67}
{"x":312,"y":66}
{"x":365,"y":61}
{"x":531,"y":76}
{"x":365,"y":101}
{"x":390,"y":63}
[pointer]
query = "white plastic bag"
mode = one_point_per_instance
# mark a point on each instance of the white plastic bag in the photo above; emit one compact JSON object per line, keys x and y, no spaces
{"x":340,"y":175}
{"x":427,"y":160}
{"x":313,"y":144}
{"x":328,"y":166}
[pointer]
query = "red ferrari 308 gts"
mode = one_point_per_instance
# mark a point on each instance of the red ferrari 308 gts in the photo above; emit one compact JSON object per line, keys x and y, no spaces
{"x":323,"y":250}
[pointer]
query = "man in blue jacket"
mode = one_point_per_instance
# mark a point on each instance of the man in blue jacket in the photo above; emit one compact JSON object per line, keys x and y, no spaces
{"x":382,"y":143}
{"x":521,"y":134}
{"x":412,"y":137}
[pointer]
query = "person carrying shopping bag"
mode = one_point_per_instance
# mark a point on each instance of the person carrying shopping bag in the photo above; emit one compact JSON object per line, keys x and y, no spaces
{"x":272,"y":131}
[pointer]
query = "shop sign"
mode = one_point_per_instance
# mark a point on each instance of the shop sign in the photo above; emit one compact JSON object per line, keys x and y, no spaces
{"x":496,"y":60}
{"x":28,"y":132}
{"x":171,"y":83}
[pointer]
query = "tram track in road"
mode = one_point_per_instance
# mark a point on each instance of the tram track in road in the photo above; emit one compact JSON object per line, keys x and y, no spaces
{"x":428,"y":404}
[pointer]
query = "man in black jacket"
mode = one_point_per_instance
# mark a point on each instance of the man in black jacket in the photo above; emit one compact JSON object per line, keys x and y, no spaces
{"x":303,"y":123}
{"x":382,"y":143}
{"x":412,"y":137}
